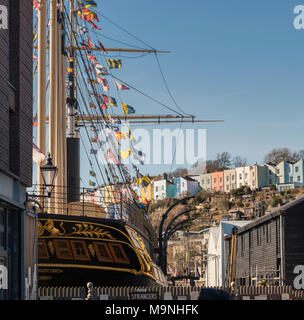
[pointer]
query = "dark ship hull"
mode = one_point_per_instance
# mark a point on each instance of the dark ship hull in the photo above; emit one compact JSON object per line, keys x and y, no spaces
{"x":75,"y":250}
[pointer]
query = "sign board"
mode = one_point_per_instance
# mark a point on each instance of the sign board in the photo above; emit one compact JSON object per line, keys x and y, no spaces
{"x":104,"y":297}
{"x":285,"y":296}
{"x":182,"y":298}
{"x":3,"y":277}
{"x":143,"y":296}
{"x":246,"y":298}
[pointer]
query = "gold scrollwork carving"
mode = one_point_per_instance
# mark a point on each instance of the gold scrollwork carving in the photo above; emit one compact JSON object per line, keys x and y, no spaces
{"x":51,"y":247}
{"x":91,"y":249}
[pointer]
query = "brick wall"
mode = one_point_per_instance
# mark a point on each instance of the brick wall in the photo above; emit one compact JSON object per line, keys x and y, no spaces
{"x":16,"y":100}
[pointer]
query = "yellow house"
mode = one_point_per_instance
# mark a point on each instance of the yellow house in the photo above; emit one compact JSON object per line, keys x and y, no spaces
{"x":148,"y":192}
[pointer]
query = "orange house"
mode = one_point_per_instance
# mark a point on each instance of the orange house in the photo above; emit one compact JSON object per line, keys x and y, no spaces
{"x":217,"y":181}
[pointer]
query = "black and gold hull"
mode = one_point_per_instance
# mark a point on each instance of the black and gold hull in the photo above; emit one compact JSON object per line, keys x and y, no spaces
{"x":75,"y":250}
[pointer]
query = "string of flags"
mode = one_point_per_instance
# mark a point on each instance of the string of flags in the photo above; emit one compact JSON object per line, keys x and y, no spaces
{"x":85,"y":13}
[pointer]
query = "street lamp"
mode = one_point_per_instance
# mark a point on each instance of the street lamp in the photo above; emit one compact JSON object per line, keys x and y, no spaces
{"x":49,"y":173}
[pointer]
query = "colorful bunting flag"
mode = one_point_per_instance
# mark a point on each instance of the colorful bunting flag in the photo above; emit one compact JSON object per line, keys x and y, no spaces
{"x":90,"y":43}
{"x":113,"y":102}
{"x":125,"y":154}
{"x":93,"y":139}
{"x":92,"y":105}
{"x":92,"y":173}
{"x":127,"y":109}
{"x":139,"y":155}
{"x":92,"y":183}
{"x":114,"y":64}
{"x":93,"y":25}
{"x":88,"y":3}
{"x":102,"y":47}
{"x":83,"y":29}
{"x":100,"y":69}
{"x":38,"y":155}
{"x":112,"y":158}
{"x":120,"y":86}
{"x":93,"y":151}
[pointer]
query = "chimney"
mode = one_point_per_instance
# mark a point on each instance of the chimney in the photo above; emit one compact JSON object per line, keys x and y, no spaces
{"x":164,"y":176}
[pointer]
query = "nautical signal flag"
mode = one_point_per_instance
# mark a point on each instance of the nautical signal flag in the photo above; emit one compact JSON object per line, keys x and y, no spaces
{"x":35,"y":35}
{"x":93,"y":139}
{"x":120,"y":86}
{"x":93,"y":25}
{"x":38,"y":155}
{"x":87,"y":15}
{"x":125,"y":154}
{"x":112,"y":158}
{"x":114,"y":64}
{"x":100,"y":69}
{"x":127,"y":109}
{"x":88,"y":3}
{"x":112,"y":102}
{"x":90,"y":43}
{"x":101,"y":46}
{"x":129,"y":135}
{"x":92,"y":183}
{"x":139,"y":155}
{"x":93,"y":151}
{"x":92,"y":173}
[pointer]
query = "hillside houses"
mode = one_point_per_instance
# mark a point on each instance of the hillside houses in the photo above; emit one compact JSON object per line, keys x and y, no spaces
{"x":283,"y":176}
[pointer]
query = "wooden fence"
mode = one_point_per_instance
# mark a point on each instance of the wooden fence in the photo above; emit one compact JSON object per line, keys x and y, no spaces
{"x":166,"y":293}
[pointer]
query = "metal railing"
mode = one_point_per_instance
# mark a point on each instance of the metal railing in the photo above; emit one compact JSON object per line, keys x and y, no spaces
{"x":108,"y":202}
{"x":169,"y":293}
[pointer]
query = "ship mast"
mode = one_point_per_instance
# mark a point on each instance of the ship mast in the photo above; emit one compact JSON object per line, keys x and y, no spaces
{"x":64,"y":145}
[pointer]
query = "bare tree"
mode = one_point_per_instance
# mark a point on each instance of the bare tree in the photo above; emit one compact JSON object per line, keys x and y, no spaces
{"x":224,"y":160}
{"x":277,"y":155}
{"x":239,"y":161}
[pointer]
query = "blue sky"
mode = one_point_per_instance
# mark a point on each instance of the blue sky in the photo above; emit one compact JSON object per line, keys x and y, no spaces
{"x":240,"y":61}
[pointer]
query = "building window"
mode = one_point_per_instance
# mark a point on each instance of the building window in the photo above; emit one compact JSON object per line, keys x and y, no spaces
{"x":103,"y":252}
{"x":297,"y":169}
{"x":270,"y":181}
{"x":214,"y":188}
{"x":268,"y":232}
{"x":156,"y":189}
{"x":299,"y":178}
{"x":118,"y":253}
{"x":227,"y":188}
{"x":42,"y":250}
{"x":162,"y":187}
{"x":227,"y":178}
{"x":203,"y":181}
{"x":291,"y":179}
{"x":258,"y":235}
{"x":232,"y":177}
{"x":221,"y":188}
{"x":246,"y":175}
{"x":250,"y":239}
{"x":240,"y":176}
{"x":208,"y":181}
{"x":269,"y":171}
{"x":214,"y":180}
{"x":80,"y":250}
{"x":63,"y":250}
